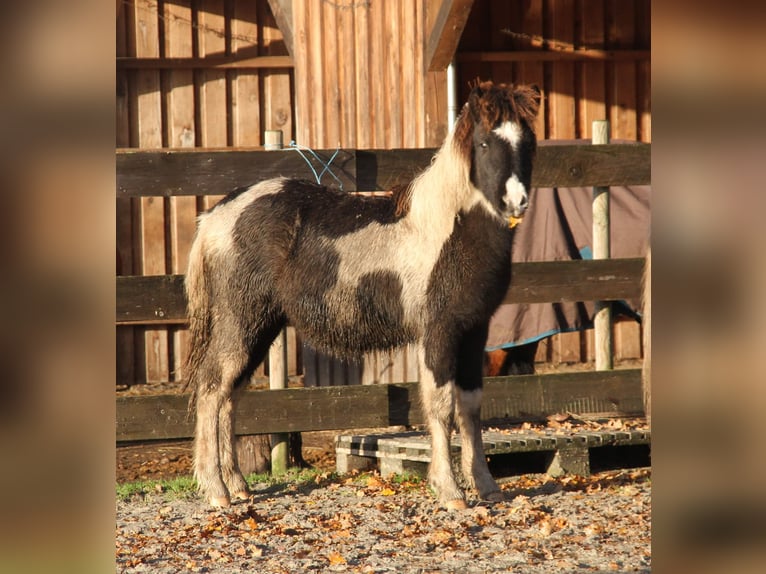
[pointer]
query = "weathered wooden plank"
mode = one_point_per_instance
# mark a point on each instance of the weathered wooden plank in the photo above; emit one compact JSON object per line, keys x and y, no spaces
{"x":213,"y":63}
{"x":527,"y":397}
{"x":170,"y":173}
{"x":151,"y":299}
{"x":445,"y":34}
{"x":592,"y":165}
{"x":160,"y":299}
{"x":577,"y":280}
{"x":282,"y":11}
{"x":553,"y":55}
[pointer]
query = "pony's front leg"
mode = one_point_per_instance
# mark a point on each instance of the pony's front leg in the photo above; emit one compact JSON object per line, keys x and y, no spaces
{"x":473,"y":461}
{"x":469,"y":381}
{"x":438,"y":407}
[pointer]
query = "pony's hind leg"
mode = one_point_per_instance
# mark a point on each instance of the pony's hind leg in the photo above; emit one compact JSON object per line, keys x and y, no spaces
{"x":469,"y":382}
{"x":207,"y":461}
{"x":214,"y":403}
{"x":230,"y":472}
{"x":259,"y":340}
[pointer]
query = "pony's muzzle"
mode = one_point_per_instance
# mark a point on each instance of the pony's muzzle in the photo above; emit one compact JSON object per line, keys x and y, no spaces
{"x":515,"y":199}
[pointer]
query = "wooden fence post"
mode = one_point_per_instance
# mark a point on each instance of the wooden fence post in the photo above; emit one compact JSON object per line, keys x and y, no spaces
{"x":277,"y":353}
{"x":602,"y":321}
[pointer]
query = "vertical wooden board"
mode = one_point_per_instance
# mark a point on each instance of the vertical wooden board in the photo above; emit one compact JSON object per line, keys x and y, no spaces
{"x":592,"y":97}
{"x":627,"y":340}
{"x":621,"y":35}
{"x":562,"y":91}
{"x":310,"y":367}
{"x":362,"y":106}
{"x":398,"y":365}
{"x":412,"y":371}
{"x":330,"y":100}
{"x":347,"y":76}
{"x":146,"y":132}
{"x":644,"y":70}
{"x":125,"y":351}
{"x":277,"y":97}
{"x":122,"y":100}
{"x":378,"y":65}
{"x":369,"y":369}
{"x":420,"y":48}
{"x":566,"y":348}
{"x":408,"y":73}
{"x":211,"y":42}
{"x":245,"y":90}
{"x":181,"y":134}
{"x":301,"y":38}
{"x":544,"y":353}
{"x":393,"y":84}
{"x":534,"y":72}
{"x":315,"y":71}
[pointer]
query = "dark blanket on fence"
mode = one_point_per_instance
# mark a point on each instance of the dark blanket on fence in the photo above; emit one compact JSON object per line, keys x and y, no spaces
{"x":558,"y":226}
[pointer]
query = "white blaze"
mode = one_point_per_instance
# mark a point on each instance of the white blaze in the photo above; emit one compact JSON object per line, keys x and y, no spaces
{"x":510,"y":132}
{"x":515,"y":193}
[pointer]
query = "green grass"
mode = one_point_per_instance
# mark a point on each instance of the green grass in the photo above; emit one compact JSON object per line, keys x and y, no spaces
{"x":186,"y":487}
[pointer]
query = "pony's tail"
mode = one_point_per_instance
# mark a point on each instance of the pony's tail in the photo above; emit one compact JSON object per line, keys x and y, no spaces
{"x":198,"y":311}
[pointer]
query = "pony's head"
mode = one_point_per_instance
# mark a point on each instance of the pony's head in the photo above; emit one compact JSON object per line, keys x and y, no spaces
{"x":496,"y":136}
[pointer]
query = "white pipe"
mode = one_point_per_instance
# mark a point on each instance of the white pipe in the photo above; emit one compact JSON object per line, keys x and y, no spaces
{"x":452,"y":107}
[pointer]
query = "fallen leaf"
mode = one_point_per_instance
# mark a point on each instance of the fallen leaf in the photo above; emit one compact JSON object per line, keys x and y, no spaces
{"x":387,"y":492}
{"x":335,"y":559}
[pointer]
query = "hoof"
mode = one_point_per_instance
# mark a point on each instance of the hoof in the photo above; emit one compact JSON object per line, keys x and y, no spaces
{"x":457,"y":504}
{"x":241,"y":495}
{"x":496,"y":496}
{"x":219,"y":501}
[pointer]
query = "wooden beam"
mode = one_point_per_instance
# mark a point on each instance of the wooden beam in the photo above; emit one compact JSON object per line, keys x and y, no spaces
{"x":517,"y":398}
{"x":283,"y":14}
{"x":445,"y":33}
{"x":219,"y":63}
{"x":161,"y":299}
{"x":188,"y":172}
{"x":170,"y":173}
{"x":580,"y":55}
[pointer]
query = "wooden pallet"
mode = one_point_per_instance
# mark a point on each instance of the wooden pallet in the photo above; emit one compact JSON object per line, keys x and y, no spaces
{"x":411,"y":451}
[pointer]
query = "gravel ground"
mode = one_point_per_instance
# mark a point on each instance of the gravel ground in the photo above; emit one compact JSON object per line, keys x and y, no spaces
{"x":365,"y":523}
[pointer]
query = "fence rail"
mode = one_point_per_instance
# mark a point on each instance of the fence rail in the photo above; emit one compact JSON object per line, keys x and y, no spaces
{"x":160,"y":299}
{"x":518,"y":398}
{"x":174,"y":173}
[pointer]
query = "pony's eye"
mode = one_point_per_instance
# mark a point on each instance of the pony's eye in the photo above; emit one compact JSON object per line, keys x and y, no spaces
{"x":484,"y":144}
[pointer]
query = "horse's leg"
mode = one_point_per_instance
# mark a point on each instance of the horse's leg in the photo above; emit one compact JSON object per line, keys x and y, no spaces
{"x":469,"y":383}
{"x":438,"y":406}
{"x":230,"y":472}
{"x":259,"y":338}
{"x":207,"y":455}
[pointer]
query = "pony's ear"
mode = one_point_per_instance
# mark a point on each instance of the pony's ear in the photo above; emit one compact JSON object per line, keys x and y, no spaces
{"x":527,"y":100}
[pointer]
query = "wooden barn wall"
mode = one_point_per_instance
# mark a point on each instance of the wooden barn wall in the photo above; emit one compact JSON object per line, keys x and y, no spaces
{"x":196,"y":105}
{"x":599,"y":69}
{"x":358,"y":79}
{"x":360,"y":75}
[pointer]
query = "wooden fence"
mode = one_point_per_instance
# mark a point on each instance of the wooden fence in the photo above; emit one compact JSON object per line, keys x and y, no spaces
{"x":159,"y":300}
